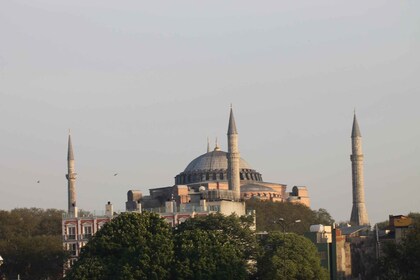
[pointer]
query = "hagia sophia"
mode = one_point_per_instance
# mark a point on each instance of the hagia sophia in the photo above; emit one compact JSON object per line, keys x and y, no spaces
{"x":214,"y":182}
{"x":209,"y":176}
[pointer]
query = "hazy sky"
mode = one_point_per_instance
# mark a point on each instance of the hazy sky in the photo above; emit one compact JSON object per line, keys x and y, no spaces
{"x":141,"y":84}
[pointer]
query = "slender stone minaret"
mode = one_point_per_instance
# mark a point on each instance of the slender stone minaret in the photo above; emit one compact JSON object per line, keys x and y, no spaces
{"x":71,"y":179}
{"x":359,"y":214}
{"x":233,"y":158}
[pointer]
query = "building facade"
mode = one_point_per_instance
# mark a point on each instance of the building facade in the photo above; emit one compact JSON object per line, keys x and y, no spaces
{"x":217,"y":176}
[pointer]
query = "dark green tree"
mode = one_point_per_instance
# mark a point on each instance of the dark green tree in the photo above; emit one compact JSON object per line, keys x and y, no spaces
{"x":131,"y":246}
{"x":402,"y":260}
{"x":31,"y":243}
{"x":322,"y":217}
{"x":268,"y":213}
{"x":288,"y":256}
{"x":214,"y":247}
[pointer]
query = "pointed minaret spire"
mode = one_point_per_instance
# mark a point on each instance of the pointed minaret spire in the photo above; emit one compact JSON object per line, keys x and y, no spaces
{"x":359,"y":214}
{"x":356,"y":130}
{"x":70,"y":155}
{"x":208,"y":145}
{"x":71,"y":180}
{"x":232,"y":124}
{"x":234,"y":181}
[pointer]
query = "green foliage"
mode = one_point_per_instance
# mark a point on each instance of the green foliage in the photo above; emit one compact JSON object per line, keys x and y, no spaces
{"x":268,"y":213}
{"x":382,"y":225}
{"x":131,"y":246}
{"x":213,"y":247}
{"x":322,"y":217}
{"x":31,"y":243}
{"x":289,"y":256}
{"x":402,"y":261}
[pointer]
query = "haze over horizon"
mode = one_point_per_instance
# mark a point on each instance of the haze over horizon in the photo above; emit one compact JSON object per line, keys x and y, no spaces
{"x":142,"y":85}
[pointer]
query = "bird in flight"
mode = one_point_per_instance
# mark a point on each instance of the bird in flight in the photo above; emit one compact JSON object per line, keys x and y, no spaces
{"x":38,"y":181}
{"x":115,"y":174}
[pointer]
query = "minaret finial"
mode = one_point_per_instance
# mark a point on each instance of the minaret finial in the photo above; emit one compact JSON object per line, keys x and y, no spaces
{"x":216,"y":147}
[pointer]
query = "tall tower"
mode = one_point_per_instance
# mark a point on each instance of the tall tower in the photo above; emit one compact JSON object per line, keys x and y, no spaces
{"x":233,"y":158}
{"x":359,"y":214}
{"x":71,"y":179}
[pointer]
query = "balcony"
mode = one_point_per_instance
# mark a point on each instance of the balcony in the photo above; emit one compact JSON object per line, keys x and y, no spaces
{"x":69,"y":237}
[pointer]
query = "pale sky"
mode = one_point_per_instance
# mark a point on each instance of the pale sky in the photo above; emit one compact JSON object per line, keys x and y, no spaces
{"x":142,"y":84}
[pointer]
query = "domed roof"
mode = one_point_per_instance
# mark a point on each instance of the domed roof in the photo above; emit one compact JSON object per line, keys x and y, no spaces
{"x":212,"y":161}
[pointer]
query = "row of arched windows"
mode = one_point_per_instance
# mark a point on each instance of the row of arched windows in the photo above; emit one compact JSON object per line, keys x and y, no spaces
{"x":184,"y":178}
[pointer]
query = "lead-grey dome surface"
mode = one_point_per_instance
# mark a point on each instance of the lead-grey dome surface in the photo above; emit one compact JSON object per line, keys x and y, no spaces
{"x":213,"y":161}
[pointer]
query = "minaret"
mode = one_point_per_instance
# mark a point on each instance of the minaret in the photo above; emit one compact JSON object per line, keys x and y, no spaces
{"x":233,"y":158}
{"x":358,"y":213}
{"x":71,"y":179}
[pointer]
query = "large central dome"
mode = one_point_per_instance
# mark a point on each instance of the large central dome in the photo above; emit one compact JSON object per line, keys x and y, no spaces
{"x":213,"y":166}
{"x":215,"y":160}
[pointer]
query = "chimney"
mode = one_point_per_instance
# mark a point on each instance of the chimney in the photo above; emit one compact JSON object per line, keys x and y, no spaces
{"x":109,"y":209}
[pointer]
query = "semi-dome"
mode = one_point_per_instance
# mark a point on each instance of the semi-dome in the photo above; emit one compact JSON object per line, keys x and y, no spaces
{"x":214,"y":160}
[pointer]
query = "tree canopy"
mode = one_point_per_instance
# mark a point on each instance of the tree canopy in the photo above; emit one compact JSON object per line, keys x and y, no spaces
{"x":268,"y":214}
{"x":143,"y":246}
{"x":31,"y":243}
{"x":402,"y":260}
{"x":131,"y":246}
{"x":213,"y":247}
{"x":289,"y":256}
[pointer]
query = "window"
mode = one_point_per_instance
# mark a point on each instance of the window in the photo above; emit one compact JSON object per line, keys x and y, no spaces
{"x":87,"y":231}
{"x":71,"y":233}
{"x":73,"y":249}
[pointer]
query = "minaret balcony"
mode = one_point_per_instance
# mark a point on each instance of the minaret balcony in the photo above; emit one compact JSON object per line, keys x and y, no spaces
{"x":71,"y":176}
{"x":356,"y":157}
